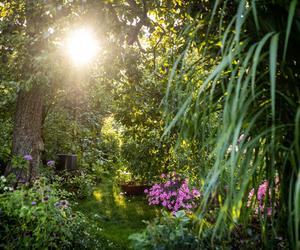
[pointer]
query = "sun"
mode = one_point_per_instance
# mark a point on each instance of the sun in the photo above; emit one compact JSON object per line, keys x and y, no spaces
{"x":82,"y":46}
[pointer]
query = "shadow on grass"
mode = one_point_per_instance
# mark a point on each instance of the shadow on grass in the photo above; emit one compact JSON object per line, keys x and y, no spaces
{"x":114,"y":215}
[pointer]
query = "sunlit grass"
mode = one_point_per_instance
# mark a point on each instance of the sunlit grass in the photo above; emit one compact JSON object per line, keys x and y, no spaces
{"x":119,"y":199}
{"x":116,"y":215}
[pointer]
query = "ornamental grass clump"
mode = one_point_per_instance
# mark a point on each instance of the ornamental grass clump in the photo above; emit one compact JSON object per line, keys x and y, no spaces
{"x":173,"y":193}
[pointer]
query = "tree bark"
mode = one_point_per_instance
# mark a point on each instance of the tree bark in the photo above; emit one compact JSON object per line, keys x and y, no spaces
{"x":27,"y":133}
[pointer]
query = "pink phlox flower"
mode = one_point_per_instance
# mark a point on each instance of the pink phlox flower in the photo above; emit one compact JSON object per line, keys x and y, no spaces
{"x":195,"y":192}
{"x":168,"y":184}
{"x":163,"y":196}
{"x":260,"y":205}
{"x":173,"y":193}
{"x":188,"y":206}
{"x":155,"y":186}
{"x":262,"y":190}
{"x":181,"y":194}
{"x":163,"y":176}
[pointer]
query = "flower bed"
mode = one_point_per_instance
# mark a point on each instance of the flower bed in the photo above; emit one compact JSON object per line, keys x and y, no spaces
{"x":173,"y":193}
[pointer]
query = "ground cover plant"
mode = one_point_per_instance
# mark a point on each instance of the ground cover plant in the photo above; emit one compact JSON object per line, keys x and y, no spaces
{"x":197,"y":102}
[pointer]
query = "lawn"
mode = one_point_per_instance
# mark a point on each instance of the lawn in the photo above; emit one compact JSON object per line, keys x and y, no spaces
{"x":114,"y":216}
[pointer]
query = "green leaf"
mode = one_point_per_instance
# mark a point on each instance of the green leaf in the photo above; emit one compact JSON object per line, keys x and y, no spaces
{"x":273,"y":62}
{"x":291,"y":14}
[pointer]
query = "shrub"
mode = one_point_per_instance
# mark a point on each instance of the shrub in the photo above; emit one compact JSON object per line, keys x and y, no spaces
{"x":180,"y":230}
{"x":4,"y":187}
{"x":39,"y":218}
{"x":171,"y":231}
{"x":80,"y":185}
{"x":173,"y":193}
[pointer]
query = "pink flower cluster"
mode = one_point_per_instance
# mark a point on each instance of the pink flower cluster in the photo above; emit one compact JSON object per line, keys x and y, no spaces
{"x":260,"y":203}
{"x":173,"y":193}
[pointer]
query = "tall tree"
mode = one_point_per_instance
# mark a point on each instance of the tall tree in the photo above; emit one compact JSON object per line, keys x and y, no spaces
{"x":25,"y":28}
{"x":27,"y":45}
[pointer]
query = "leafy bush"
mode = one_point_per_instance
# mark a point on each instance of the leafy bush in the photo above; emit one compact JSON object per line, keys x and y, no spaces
{"x":124,"y":176}
{"x":168,"y":232}
{"x":173,"y":193}
{"x":5,"y":139}
{"x":180,"y":230}
{"x":40,"y":218}
{"x":4,"y":187}
{"x":79,"y":185}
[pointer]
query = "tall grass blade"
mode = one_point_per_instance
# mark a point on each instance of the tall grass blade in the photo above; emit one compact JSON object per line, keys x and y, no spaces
{"x":291,"y":14}
{"x":273,"y":62}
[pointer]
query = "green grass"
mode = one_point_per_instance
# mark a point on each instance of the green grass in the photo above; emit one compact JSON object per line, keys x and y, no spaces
{"x":114,"y":216}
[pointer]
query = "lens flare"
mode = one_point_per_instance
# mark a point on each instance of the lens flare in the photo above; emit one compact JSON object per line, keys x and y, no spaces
{"x":82,"y":46}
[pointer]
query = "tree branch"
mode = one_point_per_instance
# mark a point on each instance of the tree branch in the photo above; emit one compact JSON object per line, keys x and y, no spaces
{"x":143,"y":20}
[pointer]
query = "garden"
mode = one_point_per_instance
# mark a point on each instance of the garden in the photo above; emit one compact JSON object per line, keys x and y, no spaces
{"x":135,"y":124}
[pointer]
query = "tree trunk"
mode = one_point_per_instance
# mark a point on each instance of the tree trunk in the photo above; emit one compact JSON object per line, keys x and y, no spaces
{"x":27,"y":139}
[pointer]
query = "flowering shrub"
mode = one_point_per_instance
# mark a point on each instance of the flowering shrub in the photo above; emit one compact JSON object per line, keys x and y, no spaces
{"x":4,"y":187}
{"x":173,"y":193}
{"x":260,"y":200}
{"x":40,"y":218}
